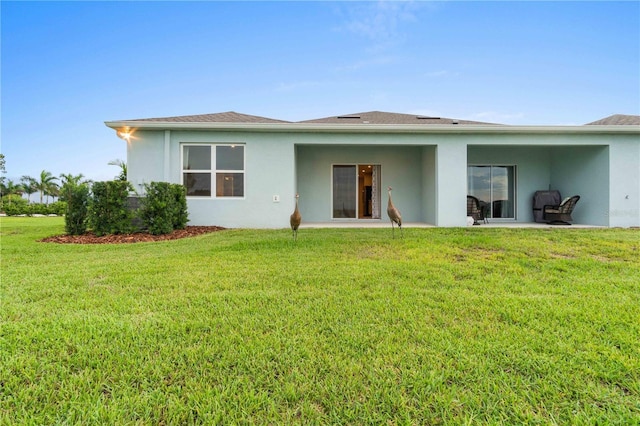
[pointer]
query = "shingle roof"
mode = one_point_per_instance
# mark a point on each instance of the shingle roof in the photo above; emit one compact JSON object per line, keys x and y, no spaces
{"x":371,"y":117}
{"x":379,"y":117}
{"x":618,"y":119}
{"x":221,"y":117}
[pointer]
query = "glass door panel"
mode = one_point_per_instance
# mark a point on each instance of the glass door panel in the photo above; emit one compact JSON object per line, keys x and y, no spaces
{"x":502,"y":190}
{"x":494,"y":186}
{"x":345,"y":185}
{"x":479,"y":186}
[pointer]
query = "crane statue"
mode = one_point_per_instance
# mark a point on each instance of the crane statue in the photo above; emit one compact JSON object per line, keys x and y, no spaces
{"x":295,"y":220}
{"x":394,"y":215}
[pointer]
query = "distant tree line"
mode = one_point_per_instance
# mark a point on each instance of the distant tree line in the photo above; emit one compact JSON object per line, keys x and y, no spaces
{"x":46,"y":185}
{"x":104,"y":207}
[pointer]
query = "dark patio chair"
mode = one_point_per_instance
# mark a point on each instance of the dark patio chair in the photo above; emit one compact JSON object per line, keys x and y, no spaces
{"x":475,"y":210}
{"x":561,"y":214}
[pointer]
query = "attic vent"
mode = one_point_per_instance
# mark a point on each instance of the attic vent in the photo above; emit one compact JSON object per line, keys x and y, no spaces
{"x":424,"y":117}
{"x":454,"y":122}
{"x":348,"y":116}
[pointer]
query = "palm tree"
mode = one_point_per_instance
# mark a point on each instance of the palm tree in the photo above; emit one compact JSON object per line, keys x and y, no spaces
{"x":28,"y":185}
{"x":123,"y":168}
{"x":11,"y":188}
{"x":68,"y":178}
{"x":47,"y":185}
{"x":53,"y":190}
{"x":70,"y":181}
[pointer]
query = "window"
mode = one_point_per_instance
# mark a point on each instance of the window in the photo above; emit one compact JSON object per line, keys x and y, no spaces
{"x":213,"y":170}
{"x":495,"y":187}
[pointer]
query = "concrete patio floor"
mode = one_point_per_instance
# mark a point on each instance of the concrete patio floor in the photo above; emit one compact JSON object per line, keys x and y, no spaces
{"x":386,"y":224}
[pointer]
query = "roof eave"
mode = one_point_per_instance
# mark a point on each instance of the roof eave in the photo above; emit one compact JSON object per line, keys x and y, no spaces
{"x":372,"y":128}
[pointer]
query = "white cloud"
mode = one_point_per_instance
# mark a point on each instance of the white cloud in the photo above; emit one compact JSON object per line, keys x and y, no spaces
{"x":381,"y":21}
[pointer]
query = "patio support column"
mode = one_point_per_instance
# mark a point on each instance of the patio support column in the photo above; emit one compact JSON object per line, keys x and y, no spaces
{"x":167,"y":156}
{"x":624,"y":183}
{"x":451,"y":166}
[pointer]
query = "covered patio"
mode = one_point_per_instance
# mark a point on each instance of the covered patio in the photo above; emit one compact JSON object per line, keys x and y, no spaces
{"x":387,"y":224}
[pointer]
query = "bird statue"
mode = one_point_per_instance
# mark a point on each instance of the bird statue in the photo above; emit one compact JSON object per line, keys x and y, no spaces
{"x":394,"y":215}
{"x":295,"y":220}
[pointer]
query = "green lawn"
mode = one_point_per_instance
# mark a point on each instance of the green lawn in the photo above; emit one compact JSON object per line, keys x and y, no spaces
{"x":346,"y":326}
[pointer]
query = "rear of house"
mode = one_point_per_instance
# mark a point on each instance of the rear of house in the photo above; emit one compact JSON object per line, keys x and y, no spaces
{"x":244,"y":171}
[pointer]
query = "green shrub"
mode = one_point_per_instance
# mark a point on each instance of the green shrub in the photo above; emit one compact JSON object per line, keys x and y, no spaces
{"x":37,"y":208}
{"x":180,"y":213}
{"x":76,"y":207}
{"x":14,"y":205}
{"x":58,"y":208}
{"x":108,"y":212}
{"x":164,"y":208}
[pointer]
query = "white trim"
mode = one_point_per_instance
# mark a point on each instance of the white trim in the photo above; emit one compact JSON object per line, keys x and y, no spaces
{"x":213,"y":170}
{"x":377,"y":128}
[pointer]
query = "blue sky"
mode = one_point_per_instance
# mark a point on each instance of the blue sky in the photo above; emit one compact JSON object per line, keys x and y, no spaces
{"x":69,"y":66}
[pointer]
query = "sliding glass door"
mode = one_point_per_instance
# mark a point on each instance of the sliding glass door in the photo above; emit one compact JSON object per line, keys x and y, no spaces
{"x":356,"y":191}
{"x":495,"y":187}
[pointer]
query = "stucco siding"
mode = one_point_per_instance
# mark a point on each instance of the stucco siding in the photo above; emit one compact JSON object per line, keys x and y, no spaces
{"x":583,"y":171}
{"x":533,"y":170}
{"x":624,"y":204}
{"x":429,"y":185}
{"x":145,"y":159}
{"x":269,"y":172}
{"x":428,"y":172}
{"x":451,"y":203}
{"x":401,"y":168}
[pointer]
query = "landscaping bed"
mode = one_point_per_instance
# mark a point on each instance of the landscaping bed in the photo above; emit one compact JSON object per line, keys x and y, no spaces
{"x":138,"y":237}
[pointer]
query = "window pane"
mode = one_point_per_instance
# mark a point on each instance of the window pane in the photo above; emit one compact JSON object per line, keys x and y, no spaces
{"x":230,"y":185}
{"x":494,"y":186}
{"x":479,"y":182}
{"x":502,"y":181}
{"x":197,"y":184}
{"x":196,"y":158}
{"x":230,"y":158}
{"x":344,"y":191}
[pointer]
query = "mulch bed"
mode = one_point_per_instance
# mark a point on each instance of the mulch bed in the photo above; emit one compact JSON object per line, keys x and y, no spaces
{"x":138,"y":237}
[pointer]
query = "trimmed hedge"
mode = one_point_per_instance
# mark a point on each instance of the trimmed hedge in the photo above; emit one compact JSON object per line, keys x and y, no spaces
{"x":77,"y":210}
{"x":108,"y":212}
{"x":107,"y":208}
{"x":14,"y":205}
{"x":164,"y":208}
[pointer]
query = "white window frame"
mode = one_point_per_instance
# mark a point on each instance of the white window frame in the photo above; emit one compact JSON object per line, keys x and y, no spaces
{"x":213,"y":171}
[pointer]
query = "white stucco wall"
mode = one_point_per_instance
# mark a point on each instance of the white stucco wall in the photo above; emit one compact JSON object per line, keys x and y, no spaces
{"x":427,"y":171}
{"x":145,"y":159}
{"x":451,"y":169}
{"x":429,"y":184}
{"x":624,"y":194}
{"x":583,"y":171}
{"x":401,"y":168}
{"x":532,"y":171}
{"x":269,"y":171}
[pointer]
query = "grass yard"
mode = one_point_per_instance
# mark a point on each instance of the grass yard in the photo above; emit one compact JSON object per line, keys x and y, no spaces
{"x":346,"y":326}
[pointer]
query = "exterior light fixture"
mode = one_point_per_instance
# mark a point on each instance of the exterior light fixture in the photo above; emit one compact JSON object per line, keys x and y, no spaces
{"x":125,"y":134}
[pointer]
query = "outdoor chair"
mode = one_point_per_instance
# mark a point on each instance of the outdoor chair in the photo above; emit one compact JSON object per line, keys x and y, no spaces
{"x":561,"y":214}
{"x":475,"y":210}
